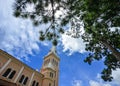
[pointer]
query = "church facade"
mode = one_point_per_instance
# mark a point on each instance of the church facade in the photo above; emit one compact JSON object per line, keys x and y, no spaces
{"x":15,"y":73}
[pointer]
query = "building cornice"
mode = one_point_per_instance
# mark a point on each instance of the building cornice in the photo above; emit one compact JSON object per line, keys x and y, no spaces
{"x":3,"y":53}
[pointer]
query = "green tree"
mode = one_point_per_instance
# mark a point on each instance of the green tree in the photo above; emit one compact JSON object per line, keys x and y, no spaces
{"x":98,"y":17}
{"x":43,"y":12}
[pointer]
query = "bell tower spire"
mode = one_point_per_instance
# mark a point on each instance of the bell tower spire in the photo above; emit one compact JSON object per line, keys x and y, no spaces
{"x":53,"y":49}
{"x":50,"y":68}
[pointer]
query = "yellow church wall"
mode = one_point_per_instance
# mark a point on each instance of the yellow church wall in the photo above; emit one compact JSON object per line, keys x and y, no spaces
{"x":38,"y":78}
{"x":2,"y":60}
{"x":27,"y":73}
{"x":47,"y":81}
{"x":13,"y":66}
{"x":17,"y":65}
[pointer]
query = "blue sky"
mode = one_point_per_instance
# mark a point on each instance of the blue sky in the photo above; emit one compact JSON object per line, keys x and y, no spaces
{"x":19,"y":38}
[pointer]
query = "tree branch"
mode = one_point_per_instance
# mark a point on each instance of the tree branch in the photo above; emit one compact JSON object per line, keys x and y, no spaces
{"x":112,"y":49}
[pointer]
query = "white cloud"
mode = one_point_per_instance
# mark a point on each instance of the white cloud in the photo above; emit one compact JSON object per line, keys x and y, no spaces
{"x":72,"y":44}
{"x":17,"y":36}
{"x":100,"y":82}
{"x":77,"y":83}
{"x":20,"y":38}
{"x":114,"y":28}
{"x":94,"y":83}
{"x":116,"y":77}
{"x":97,"y":83}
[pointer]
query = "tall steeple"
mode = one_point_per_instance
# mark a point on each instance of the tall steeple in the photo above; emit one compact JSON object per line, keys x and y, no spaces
{"x":53,"y":49}
{"x":50,"y":68}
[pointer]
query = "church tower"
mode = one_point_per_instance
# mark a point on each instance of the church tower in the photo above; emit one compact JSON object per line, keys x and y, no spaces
{"x":50,"y":68}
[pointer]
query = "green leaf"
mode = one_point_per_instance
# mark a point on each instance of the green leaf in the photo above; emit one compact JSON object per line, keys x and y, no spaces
{"x":61,"y":30}
{"x":34,"y":1}
{"x":24,"y":16}
{"x":42,"y":38}
{"x":55,"y":42}
{"x":36,"y":23}
{"x":32,"y":16}
{"x":16,"y":13}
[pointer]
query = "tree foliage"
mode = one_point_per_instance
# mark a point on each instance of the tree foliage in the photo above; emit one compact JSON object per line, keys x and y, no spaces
{"x":98,"y":17}
{"x":42,"y":12}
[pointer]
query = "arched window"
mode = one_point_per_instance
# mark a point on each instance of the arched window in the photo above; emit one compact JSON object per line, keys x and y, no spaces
{"x":51,"y":74}
{"x":12,"y":75}
{"x":21,"y":79}
{"x":56,"y":63}
{"x":33,"y":84}
{"x":7,"y":72}
{"x":37,"y":84}
{"x":49,"y":84}
{"x":53,"y":60}
{"x":25,"y":81}
{"x":48,"y":61}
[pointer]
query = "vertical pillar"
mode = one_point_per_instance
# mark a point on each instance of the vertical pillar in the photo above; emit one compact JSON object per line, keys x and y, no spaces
{"x":4,"y":66}
{"x":31,"y":78}
{"x":19,"y":74}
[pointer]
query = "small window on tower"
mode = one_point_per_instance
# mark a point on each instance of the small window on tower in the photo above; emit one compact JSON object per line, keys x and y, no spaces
{"x":51,"y":74}
{"x":56,"y":63}
{"x":53,"y":60}
{"x":49,"y":84}
{"x":37,"y":84}
{"x":46,"y":61}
